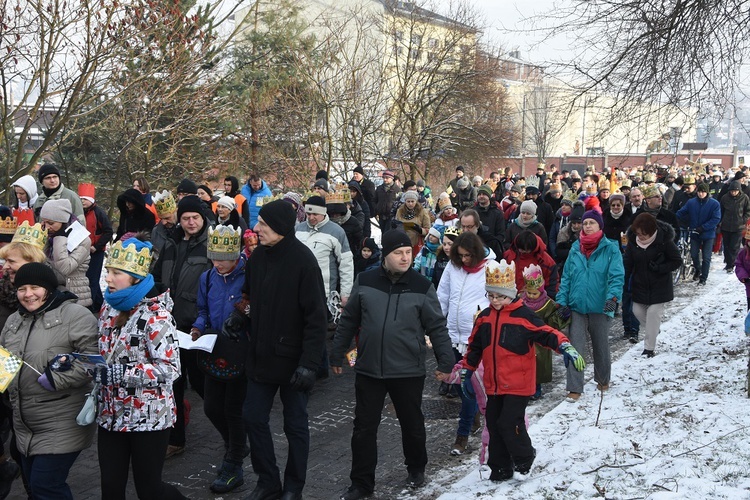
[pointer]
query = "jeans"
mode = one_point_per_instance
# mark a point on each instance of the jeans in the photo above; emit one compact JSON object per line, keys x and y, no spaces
{"x":257,"y":412}
{"x":222,"y":404}
{"x":469,"y":407}
{"x":630,"y":323}
{"x":509,"y":440}
{"x":48,"y":474}
{"x":406,"y":395}
{"x":732,"y":242}
{"x":94,"y":274}
{"x":144,"y":451}
{"x":698,"y":245}
{"x":597,"y":325}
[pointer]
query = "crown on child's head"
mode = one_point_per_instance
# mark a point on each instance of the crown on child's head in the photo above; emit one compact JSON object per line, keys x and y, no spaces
{"x":533,"y":277}
{"x":501,"y":277}
{"x":224,"y":243}
{"x":165,"y":203}
{"x":127,"y":257}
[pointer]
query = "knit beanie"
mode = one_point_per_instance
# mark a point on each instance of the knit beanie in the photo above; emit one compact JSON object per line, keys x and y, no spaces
{"x":48,"y":169}
{"x":205,"y":188}
{"x":576,"y":215}
{"x":593,"y":214}
{"x":321,"y":174}
{"x":56,"y":210}
{"x":322,"y":184}
{"x":189,"y":204}
{"x":359,"y":170}
{"x":702,"y":187}
{"x":528,"y":207}
{"x":370,"y":243}
{"x":226,"y":201}
{"x":36,"y":273}
{"x":410,"y":195}
{"x":393,"y":239}
{"x":735,"y":186}
{"x":315,"y":205}
{"x":484,"y":189}
{"x":187,"y":186}
{"x":617,"y":197}
{"x":280,"y":216}
{"x":462,"y":183}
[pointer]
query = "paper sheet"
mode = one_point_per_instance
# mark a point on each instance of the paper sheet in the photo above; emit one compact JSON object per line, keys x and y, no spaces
{"x":204,"y":342}
{"x":77,"y":234}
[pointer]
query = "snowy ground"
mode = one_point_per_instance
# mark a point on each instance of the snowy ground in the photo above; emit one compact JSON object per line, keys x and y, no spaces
{"x":673,"y":426}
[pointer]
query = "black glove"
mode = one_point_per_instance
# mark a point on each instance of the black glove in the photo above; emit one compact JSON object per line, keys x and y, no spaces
{"x":234,"y":326}
{"x":303,"y":379}
{"x":563,"y":313}
{"x":610,"y":306}
{"x":653,"y":266}
{"x":699,"y":229}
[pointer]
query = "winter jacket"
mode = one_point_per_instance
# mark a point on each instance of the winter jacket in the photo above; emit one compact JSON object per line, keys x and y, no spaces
{"x":242,"y":207}
{"x":72,"y":266}
{"x":253,"y":197}
{"x":421,"y":218}
{"x":390,"y":321}
{"x":735,"y":212}
{"x":560,"y":222}
{"x":234,"y":220}
{"x":650,"y":286}
{"x":385,"y":196}
{"x":504,"y":342}
{"x":540,"y":257}
{"x":461,"y":295}
{"x":99,"y":227}
{"x":361,"y":265}
{"x":217,"y":295}
{"x":25,"y":211}
{"x":680,"y":199}
{"x":61,"y":193}
{"x":587,"y":283}
{"x":352,"y":228}
{"x":565,"y":239}
{"x":613,"y":227}
{"x":138,"y":219}
{"x":701,"y":215}
{"x":545,"y":215}
{"x":159,"y":236}
{"x":179,"y":268}
{"x":44,"y":421}
{"x":442,"y":261}
{"x":467,"y":198}
{"x":493,"y":219}
{"x":288,"y":321}
{"x":514,"y":228}
{"x":553,"y":202}
{"x":368,"y":193}
{"x":361,"y":212}
{"x":742,"y":268}
{"x":144,"y":401}
{"x":328,"y":243}
{"x":424,"y":263}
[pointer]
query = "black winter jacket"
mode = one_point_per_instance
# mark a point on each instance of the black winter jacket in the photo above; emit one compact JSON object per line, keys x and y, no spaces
{"x":613,"y":227}
{"x":288,"y":313}
{"x":735,"y":210}
{"x":493,"y":218}
{"x":391,"y":321}
{"x":650,"y":286}
{"x":139,"y":219}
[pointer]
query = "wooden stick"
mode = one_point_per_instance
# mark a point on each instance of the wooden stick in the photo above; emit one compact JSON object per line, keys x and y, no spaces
{"x":35,"y":370}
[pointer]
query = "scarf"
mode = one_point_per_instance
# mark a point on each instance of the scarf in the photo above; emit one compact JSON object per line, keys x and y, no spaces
{"x":475,"y":269}
{"x":645,"y":242}
{"x":126,"y":299}
{"x":432,"y":247}
{"x":523,"y":224}
{"x":538,"y":303}
{"x":408,"y":214}
{"x":589,"y":242}
{"x":341,"y":219}
{"x":616,"y":216}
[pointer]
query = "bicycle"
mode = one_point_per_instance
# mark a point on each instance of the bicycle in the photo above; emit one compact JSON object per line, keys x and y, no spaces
{"x":686,"y":270}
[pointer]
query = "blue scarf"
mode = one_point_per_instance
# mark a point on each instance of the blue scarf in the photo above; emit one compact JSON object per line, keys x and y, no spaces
{"x":127,"y":298}
{"x":432,"y":247}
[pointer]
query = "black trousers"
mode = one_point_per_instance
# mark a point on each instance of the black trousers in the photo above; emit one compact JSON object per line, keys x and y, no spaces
{"x":145,"y":452}
{"x":193,"y":374}
{"x":406,"y":395}
{"x":509,"y":441}
{"x":222,"y":404}
{"x":732,"y":243}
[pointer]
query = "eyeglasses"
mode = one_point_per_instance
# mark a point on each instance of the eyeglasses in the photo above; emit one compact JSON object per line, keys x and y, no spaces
{"x":468,"y":226}
{"x":464,"y":255}
{"x":495,"y":296}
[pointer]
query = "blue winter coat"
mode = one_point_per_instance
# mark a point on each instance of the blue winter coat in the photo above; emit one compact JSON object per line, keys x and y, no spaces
{"x":224,"y":292}
{"x":705,"y":214}
{"x":252,"y":199}
{"x":588,"y":283}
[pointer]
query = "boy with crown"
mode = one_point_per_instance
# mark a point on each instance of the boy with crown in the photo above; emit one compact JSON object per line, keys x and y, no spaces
{"x":502,"y":340}
{"x":219,"y":289}
{"x":535,"y":298}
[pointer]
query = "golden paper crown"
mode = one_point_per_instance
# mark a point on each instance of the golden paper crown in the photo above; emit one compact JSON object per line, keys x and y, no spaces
{"x":262,"y":200}
{"x":500,"y":275}
{"x":533,"y":277}
{"x":649,"y":177}
{"x":590,"y":188}
{"x":689,"y":179}
{"x":343,"y":196}
{"x":570,"y":195}
{"x":127,"y":259}
{"x":532,"y":181}
{"x":452,"y":231}
{"x":626,"y":183}
{"x":603,"y":183}
{"x":31,"y":235}
{"x":224,"y":243}
{"x":165,"y":203}
{"x":444,"y":203}
{"x":8,"y":225}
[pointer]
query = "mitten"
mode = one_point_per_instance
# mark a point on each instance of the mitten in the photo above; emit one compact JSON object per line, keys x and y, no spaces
{"x":109,"y":374}
{"x":570,"y":355}
{"x":563,"y":312}
{"x":234,"y":326}
{"x":61,"y":363}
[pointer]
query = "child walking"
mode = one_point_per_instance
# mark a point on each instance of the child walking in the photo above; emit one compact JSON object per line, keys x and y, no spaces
{"x":503,"y":339}
{"x":742,"y":264}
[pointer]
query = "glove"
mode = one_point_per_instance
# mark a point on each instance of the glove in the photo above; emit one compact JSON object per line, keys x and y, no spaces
{"x":61,"y":363}
{"x":47,"y":381}
{"x":234,"y":326}
{"x":653,"y":266}
{"x":303,"y":379}
{"x":610,"y":306}
{"x":570,"y":355}
{"x":465,"y":375}
{"x":563,"y":313}
{"x":699,"y":229}
{"x":109,"y":374}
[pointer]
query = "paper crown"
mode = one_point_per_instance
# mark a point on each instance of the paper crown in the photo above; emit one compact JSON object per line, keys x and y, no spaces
{"x":165,"y":203}
{"x":590,"y":188}
{"x":86,"y":189}
{"x":650,"y":191}
{"x":224,"y":243}
{"x":649,"y":177}
{"x":444,"y":203}
{"x":343,"y":196}
{"x":532,"y":181}
{"x":500,"y":277}
{"x":627,"y":183}
{"x":262,"y":200}
{"x":451,"y":231}
{"x":555,"y":186}
{"x":9,"y":225}
{"x":533,"y":277}
{"x":31,"y":235}
{"x":689,"y":179}
{"x":127,"y":259}
{"x":570,"y":195}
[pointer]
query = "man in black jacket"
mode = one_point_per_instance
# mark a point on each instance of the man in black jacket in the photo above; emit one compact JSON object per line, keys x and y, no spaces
{"x":385,"y":196}
{"x":489,"y":214}
{"x":287,"y":311}
{"x":391,"y":309}
{"x":367,"y":188}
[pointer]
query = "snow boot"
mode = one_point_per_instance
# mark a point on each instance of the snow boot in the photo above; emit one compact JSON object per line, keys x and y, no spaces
{"x":459,"y":447}
{"x":230,"y":476}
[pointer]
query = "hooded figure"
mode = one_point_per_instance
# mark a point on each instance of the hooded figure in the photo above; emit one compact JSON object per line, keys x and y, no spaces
{"x":25,"y":191}
{"x":134,"y":216}
{"x":527,"y":249}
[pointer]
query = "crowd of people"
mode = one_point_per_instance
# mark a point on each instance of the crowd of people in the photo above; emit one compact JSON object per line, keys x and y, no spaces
{"x":493,"y":275}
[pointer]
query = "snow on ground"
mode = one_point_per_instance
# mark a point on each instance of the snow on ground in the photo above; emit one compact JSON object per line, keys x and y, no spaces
{"x":673,"y":426}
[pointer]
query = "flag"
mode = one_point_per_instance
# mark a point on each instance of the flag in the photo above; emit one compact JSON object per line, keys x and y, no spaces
{"x":10,"y":365}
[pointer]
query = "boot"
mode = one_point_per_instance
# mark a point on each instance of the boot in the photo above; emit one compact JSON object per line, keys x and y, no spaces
{"x":477,"y":423}
{"x":459,"y":447}
{"x":229,"y":477}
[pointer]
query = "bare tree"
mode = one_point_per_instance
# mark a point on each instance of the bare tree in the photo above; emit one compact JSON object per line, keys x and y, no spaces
{"x":544,"y":115}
